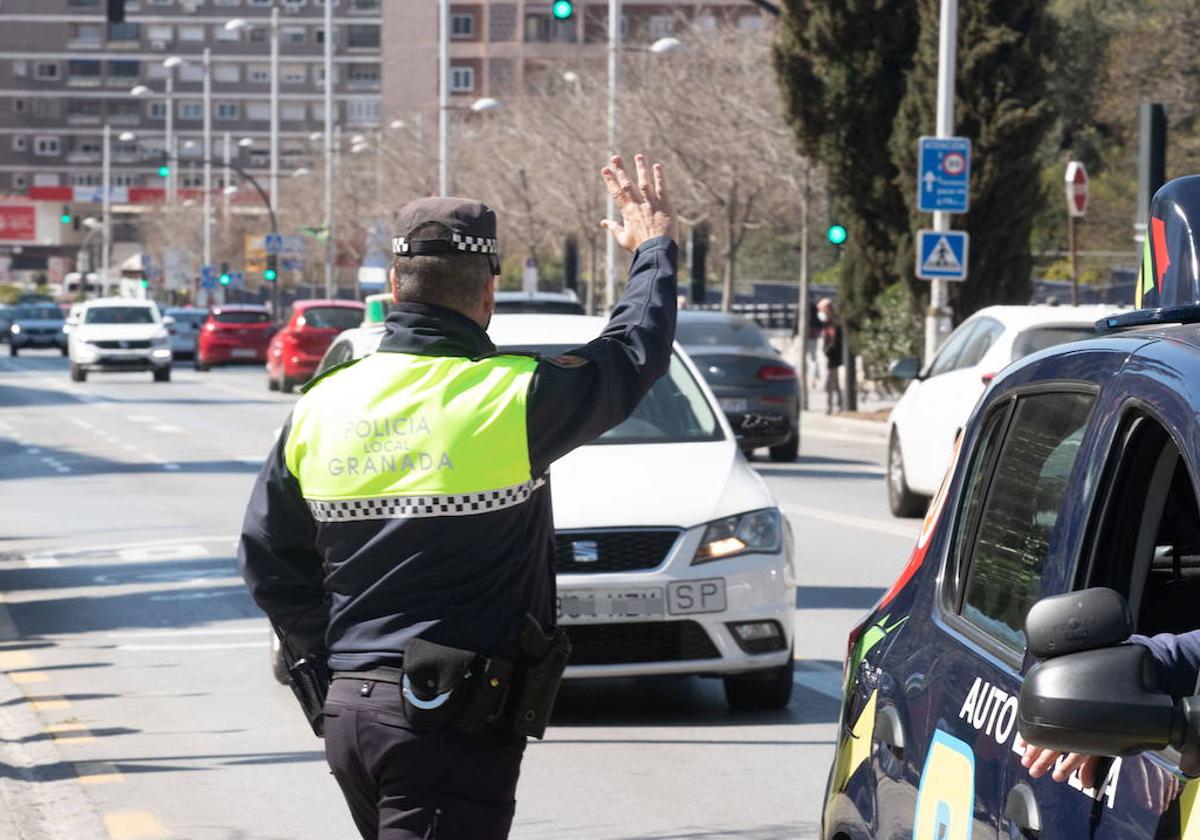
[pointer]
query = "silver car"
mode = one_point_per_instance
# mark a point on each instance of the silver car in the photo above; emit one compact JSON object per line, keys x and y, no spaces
{"x":185,"y":332}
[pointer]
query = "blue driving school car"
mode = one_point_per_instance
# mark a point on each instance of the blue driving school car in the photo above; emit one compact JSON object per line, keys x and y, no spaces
{"x":1074,"y":488}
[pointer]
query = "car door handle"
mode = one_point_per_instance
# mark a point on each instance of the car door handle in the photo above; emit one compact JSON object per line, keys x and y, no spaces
{"x":1021,"y":809}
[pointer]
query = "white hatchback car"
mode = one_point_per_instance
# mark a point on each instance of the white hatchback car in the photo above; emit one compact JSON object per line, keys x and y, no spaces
{"x":672,"y":555}
{"x":119,"y":334}
{"x":923,"y":426}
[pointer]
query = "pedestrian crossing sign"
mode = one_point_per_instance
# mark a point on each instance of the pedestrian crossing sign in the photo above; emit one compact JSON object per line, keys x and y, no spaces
{"x":942,"y":254}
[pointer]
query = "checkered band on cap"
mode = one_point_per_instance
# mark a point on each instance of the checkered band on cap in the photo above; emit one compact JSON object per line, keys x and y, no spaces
{"x":416,"y":507}
{"x":459,"y":241}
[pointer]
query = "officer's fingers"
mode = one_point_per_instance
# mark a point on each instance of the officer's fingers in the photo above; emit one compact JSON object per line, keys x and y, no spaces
{"x":643,"y":179}
{"x":1088,"y":770}
{"x":1042,"y":762}
{"x":632,"y":193}
{"x":615,"y":228}
{"x":614,"y":188}
{"x":660,"y":189}
{"x":1072,"y":763}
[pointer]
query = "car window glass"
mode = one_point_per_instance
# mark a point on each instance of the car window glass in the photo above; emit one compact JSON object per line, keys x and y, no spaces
{"x":981,"y":340}
{"x":241,"y":317}
{"x":974,"y":490}
{"x":947,"y":358}
{"x":1021,"y":506}
{"x":735,"y":332}
{"x":332,"y":317}
{"x":340,"y":352}
{"x":1039,"y":338}
{"x":119,"y":315}
{"x":37,"y":313}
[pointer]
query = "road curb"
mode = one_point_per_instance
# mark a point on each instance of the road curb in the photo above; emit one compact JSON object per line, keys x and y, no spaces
{"x":819,"y":425}
{"x":40,"y":795}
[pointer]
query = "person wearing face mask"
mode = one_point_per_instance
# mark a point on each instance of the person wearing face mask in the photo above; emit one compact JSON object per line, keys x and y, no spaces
{"x":400,"y":536}
{"x":831,"y":347}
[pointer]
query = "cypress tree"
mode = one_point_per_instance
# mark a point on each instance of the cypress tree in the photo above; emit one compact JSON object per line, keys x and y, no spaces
{"x":841,"y":66}
{"x":1003,"y":54}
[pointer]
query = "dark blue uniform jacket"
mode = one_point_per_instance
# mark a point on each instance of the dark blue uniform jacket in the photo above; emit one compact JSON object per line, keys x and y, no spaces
{"x":360,"y":590}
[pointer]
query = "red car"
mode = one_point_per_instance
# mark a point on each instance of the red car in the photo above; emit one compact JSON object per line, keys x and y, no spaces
{"x":234,"y":333}
{"x":311,"y":327}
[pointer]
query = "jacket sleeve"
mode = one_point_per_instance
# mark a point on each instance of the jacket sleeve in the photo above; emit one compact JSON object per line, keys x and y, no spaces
{"x":278,"y":557}
{"x":1176,"y":660}
{"x":578,"y":397}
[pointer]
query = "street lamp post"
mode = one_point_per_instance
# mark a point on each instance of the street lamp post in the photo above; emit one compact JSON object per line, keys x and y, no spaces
{"x":937,"y":320}
{"x":610,"y":210}
{"x":207,"y":157}
{"x":273,"y":179}
{"x":106,"y":204}
{"x":444,"y":97}
{"x":330,"y":81}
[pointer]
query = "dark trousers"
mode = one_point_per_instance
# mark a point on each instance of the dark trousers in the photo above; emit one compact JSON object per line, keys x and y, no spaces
{"x":402,"y":784}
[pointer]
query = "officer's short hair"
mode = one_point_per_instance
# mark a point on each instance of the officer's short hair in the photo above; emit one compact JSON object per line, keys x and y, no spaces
{"x":454,"y":280}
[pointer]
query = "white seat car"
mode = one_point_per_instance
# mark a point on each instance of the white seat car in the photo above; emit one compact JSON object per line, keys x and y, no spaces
{"x":923,"y":426}
{"x":119,"y":334}
{"x":672,"y":556}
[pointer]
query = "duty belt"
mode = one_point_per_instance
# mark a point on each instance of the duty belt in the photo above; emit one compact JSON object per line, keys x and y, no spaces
{"x":381,"y":674}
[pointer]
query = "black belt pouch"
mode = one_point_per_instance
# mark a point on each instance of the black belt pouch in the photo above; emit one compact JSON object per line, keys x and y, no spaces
{"x":434,"y":683}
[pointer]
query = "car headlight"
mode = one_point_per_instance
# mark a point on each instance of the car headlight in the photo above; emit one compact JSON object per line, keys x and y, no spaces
{"x":756,"y":531}
{"x":160,"y":340}
{"x":16,"y":329}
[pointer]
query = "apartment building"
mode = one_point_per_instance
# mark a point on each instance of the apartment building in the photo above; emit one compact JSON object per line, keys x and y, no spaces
{"x":499,"y":47}
{"x":64,"y":72}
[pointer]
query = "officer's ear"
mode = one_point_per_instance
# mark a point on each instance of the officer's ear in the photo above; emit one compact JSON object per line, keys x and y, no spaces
{"x":489,"y":294}
{"x":392,"y":283}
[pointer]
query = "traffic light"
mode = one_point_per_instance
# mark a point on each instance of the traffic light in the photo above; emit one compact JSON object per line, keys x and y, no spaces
{"x":164,"y":165}
{"x":66,"y":217}
{"x":271,"y":272}
{"x":224,"y":277}
{"x":562,"y":9}
{"x":145,"y":283}
{"x":836,"y":235}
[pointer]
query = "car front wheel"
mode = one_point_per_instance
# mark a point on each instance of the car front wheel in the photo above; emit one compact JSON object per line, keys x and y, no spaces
{"x":757,"y":691}
{"x":902,"y":500}
{"x":12,"y":350}
{"x":787,"y":451}
{"x":200,"y":364}
{"x":162,"y":374}
{"x":78,"y":374}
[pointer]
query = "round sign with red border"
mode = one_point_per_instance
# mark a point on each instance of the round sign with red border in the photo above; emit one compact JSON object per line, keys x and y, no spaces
{"x":954,"y":163}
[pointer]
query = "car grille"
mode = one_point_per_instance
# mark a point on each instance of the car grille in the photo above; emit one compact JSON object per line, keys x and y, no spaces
{"x":40,"y":331}
{"x":643,"y":641}
{"x":124,"y":345}
{"x":583,"y":552}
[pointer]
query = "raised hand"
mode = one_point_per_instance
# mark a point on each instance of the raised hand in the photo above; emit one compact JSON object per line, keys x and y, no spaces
{"x":644,"y":206}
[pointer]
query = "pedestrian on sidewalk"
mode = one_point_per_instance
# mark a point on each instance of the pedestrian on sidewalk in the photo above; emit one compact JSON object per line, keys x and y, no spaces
{"x":831,"y":347}
{"x":401,"y":529}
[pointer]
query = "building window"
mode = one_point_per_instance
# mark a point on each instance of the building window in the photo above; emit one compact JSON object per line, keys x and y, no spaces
{"x":86,"y":35}
{"x":84,"y":179}
{"x":293,"y":74}
{"x":46,"y":70}
{"x":750,"y":22}
{"x":125,"y":179}
{"x":83,"y":4}
{"x":20,"y":68}
{"x":291,"y":111}
{"x":258,"y":74}
{"x":47,"y":109}
{"x":124,"y":110}
{"x":364,"y":5}
{"x":362,"y":111}
{"x":166,"y":34}
{"x":20,"y":143}
{"x":84,"y":108}
{"x":192,"y":72}
{"x":259,"y":111}
{"x":161,"y":2}
{"x":361,"y":35}
{"x":45,"y":179}
{"x":363,"y":75}
{"x":293,"y":4}
{"x":226,"y":73}
{"x":124,"y":31}
{"x":227,"y":111}
{"x":660,"y":26}
{"x":258,"y":35}
{"x":318,"y":111}
{"x":462,"y":25}
{"x":462,"y":79}
{"x":19,"y":105}
{"x":260,"y":2}
{"x":191,"y":111}
{"x":191,"y":33}
{"x":156,"y":110}
{"x":124,"y":69}
{"x":192,"y":181}
{"x":83,"y":69}
{"x":227,"y":2}
{"x":228,"y":35}
{"x":20,"y":181}
{"x":47,"y":146}
{"x":296,"y":35}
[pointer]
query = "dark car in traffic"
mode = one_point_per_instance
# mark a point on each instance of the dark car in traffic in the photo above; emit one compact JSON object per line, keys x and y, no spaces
{"x":757,"y":390}
{"x":36,"y":325}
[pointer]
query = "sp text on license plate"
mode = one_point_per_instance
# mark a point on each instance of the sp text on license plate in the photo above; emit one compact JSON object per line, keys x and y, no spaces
{"x":687,"y":597}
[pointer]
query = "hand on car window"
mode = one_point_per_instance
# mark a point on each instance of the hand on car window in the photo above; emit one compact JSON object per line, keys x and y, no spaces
{"x":644,"y":206}
{"x":1039,"y":760}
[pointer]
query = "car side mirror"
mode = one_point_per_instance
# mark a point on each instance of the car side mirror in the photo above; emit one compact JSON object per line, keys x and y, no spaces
{"x":906,"y":368}
{"x":168,"y":321}
{"x":1077,"y":621}
{"x":70,"y":322}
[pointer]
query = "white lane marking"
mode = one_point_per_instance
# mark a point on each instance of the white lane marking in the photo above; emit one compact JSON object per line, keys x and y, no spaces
{"x":42,"y":561}
{"x":250,"y":459}
{"x":177,"y":551}
{"x":171,"y":634}
{"x":115,"y":547}
{"x":83,"y":424}
{"x":166,"y":427}
{"x":879,"y":526}
{"x":170,"y":466}
{"x":141,"y":418}
{"x":198,"y":646}
{"x":129,"y":447}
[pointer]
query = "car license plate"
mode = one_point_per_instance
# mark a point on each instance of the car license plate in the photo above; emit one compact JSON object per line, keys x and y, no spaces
{"x":243,"y":353}
{"x":734,"y":403}
{"x":685,"y":597}
{"x":595,"y":605}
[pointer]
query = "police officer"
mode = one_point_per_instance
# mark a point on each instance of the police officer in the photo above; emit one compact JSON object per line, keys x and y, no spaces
{"x":401,"y":529}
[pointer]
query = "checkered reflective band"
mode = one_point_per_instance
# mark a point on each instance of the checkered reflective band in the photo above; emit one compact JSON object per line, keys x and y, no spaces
{"x":401,"y":246}
{"x":414,"y":507}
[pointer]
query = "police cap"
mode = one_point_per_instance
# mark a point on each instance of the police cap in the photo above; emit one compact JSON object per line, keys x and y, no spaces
{"x":469,"y":228}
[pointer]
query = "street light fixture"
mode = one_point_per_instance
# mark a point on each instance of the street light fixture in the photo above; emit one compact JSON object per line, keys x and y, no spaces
{"x":397,"y":124}
{"x":666,"y":45}
{"x":126,"y":136}
{"x":300,"y":172}
{"x":139,"y":90}
{"x":246,"y":142}
{"x":485,"y":104}
{"x":235,"y":24}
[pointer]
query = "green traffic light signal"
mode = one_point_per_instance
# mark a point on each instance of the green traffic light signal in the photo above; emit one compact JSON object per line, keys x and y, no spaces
{"x":224,"y":279}
{"x":164,"y":171}
{"x":836,"y":235}
{"x":270,"y":274}
{"x":65,"y":218}
{"x":562,"y":9}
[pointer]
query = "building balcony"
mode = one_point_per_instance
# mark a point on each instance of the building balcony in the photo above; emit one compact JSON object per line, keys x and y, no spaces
{"x":83,"y":157}
{"x":84,"y":81}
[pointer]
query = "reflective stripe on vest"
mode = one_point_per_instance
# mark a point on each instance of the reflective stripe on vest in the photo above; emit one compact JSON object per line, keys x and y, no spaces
{"x":399,"y":435}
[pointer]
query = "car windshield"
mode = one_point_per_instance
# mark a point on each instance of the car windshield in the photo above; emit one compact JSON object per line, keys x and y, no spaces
{"x":119,"y":315}
{"x":674,"y":410}
{"x":192,"y":316}
{"x":332,"y":317}
{"x":732,"y":332}
{"x":241,"y":317}
{"x":36,"y":313}
{"x":1039,"y":338}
